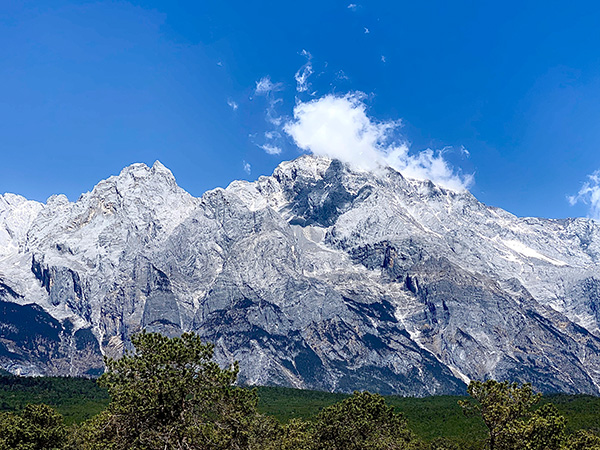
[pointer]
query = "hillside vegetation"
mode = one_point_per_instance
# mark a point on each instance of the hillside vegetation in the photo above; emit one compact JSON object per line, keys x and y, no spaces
{"x":169,"y":394}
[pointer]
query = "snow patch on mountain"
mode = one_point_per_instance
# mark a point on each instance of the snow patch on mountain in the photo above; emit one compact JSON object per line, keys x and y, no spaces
{"x":319,"y":276}
{"x":522,"y":249}
{"x":16,"y":216}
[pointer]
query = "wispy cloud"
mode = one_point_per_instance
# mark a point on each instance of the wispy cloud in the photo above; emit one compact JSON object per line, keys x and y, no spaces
{"x":382,"y":58}
{"x":273,"y":139}
{"x":589,"y":194}
{"x":272,"y":134}
{"x":265,"y":86}
{"x":352,"y":6}
{"x":272,"y":116}
{"x":341,"y":75}
{"x":233,"y":105}
{"x":247,"y":167}
{"x":271,"y":149}
{"x":301,"y":76}
{"x":339,"y":127}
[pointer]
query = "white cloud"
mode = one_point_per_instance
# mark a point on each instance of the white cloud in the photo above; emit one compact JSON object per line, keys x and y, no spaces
{"x":427,"y":165}
{"x":339,"y":127}
{"x":233,"y":105}
{"x":265,"y":86}
{"x":340,"y":75}
{"x":382,"y":58}
{"x":302,"y":84}
{"x":271,"y":115}
{"x":247,"y":167}
{"x":272,"y":135}
{"x":367,"y":30}
{"x":271,"y":149}
{"x":352,"y":6}
{"x":589,"y":194}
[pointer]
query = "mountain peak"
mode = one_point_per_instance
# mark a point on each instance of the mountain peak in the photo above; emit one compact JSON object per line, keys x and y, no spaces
{"x":138,"y":180}
{"x":306,"y":166}
{"x":160,"y":167}
{"x":324,"y":276}
{"x":141,"y":170}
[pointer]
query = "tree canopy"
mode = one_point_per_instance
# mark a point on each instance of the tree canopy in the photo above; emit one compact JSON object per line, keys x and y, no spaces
{"x":507,"y":409}
{"x":362,"y":422}
{"x":38,"y":427}
{"x":169,"y":393}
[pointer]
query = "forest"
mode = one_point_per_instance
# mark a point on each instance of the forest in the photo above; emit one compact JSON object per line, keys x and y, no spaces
{"x":170,"y":394}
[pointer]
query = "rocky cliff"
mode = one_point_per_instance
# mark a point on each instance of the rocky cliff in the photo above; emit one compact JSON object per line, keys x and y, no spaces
{"x":318,"y":276}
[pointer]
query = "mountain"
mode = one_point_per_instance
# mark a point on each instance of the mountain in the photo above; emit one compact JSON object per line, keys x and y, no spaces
{"x":319,"y":276}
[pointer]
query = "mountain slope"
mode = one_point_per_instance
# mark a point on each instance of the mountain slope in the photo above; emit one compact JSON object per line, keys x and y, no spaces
{"x":318,"y":276}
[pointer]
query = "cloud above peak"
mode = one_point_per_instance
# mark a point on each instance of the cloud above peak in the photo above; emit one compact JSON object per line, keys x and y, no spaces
{"x":271,"y":149}
{"x":233,"y":105}
{"x":264,"y":86}
{"x":589,"y":194}
{"x":303,"y":73}
{"x":338,"y":127}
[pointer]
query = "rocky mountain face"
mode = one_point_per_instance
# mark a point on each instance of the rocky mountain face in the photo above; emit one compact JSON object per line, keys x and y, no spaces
{"x":318,"y":277}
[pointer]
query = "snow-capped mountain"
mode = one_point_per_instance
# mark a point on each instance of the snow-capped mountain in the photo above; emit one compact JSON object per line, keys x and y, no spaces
{"x":318,"y":276}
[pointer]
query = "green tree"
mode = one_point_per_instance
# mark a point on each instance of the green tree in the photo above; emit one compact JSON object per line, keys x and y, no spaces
{"x":507,"y":410}
{"x":38,"y":427}
{"x":296,"y":435}
{"x":169,"y":394}
{"x":443,"y":444}
{"x":362,"y":422}
{"x":582,"y":440}
{"x":544,"y":429}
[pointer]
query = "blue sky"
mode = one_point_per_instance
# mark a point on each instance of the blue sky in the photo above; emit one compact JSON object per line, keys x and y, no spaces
{"x":501,"y":97}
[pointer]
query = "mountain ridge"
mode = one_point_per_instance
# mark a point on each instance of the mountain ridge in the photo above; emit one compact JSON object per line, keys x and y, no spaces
{"x":317,"y":276}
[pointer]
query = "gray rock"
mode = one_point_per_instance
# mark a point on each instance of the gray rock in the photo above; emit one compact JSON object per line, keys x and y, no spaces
{"x":318,"y":277}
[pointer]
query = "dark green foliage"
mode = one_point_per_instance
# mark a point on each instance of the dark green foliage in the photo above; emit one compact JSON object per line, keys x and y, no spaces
{"x":288,"y":403}
{"x":266,"y":434}
{"x":429,"y":417}
{"x":169,"y":394}
{"x":498,"y":404}
{"x":38,"y":427}
{"x":361,"y":422}
{"x":440,"y":416}
{"x":290,"y":417}
{"x":542,"y":430}
{"x":77,"y":399}
{"x":582,"y":440}
{"x":581,"y":411}
{"x":507,"y":411}
{"x":443,"y":444}
{"x":297,"y":434}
